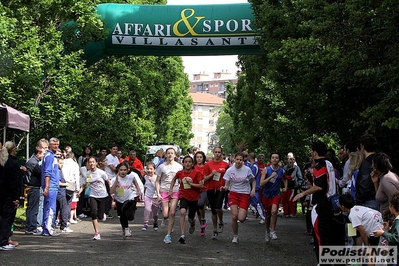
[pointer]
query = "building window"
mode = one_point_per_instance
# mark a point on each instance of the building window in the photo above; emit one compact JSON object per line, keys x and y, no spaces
{"x":211,"y":122}
{"x":211,"y":109}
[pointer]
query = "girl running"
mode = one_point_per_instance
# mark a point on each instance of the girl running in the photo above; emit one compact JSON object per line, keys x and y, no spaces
{"x":96,"y":179}
{"x":213,"y":176}
{"x":125,"y":195}
{"x":151,"y":202}
{"x":199,"y":162}
{"x":190,"y":184}
{"x":237,"y":181}
{"x":165,"y":173}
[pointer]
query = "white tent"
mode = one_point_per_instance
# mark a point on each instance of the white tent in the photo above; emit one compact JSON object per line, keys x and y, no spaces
{"x":14,"y":119}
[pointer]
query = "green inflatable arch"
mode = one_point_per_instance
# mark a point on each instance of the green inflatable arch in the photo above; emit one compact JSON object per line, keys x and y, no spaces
{"x":175,"y":30}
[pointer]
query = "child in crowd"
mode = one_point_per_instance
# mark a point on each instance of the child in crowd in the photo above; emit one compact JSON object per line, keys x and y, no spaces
{"x":151,"y":202}
{"x":73,"y":219}
{"x":364,"y":219}
{"x":62,"y":208}
{"x":124,"y":194}
{"x":391,"y":234}
{"x":189,"y":194}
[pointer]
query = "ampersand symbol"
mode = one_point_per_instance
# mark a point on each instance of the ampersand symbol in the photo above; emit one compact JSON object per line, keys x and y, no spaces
{"x":184,"y":19}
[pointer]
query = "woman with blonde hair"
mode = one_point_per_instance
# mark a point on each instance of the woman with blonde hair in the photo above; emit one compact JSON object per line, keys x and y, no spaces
{"x":356,"y":159}
{"x":9,"y":192}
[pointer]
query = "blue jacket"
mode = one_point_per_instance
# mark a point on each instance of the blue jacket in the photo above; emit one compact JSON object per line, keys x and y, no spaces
{"x":50,"y":168}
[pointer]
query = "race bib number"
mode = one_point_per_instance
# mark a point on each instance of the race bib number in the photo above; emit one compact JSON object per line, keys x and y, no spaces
{"x":186,"y":185}
{"x":88,"y":178}
{"x":273,"y":180}
{"x":216,"y":176}
{"x":120,"y":192}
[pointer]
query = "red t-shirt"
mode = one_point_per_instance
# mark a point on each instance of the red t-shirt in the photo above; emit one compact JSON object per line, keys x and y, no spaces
{"x":201,"y":170}
{"x":216,"y":181}
{"x":186,"y":191}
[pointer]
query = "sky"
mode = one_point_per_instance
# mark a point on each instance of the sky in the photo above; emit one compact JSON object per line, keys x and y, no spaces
{"x":209,"y":64}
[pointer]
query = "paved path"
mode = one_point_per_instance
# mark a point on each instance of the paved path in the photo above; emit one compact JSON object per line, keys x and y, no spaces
{"x":147,"y":247}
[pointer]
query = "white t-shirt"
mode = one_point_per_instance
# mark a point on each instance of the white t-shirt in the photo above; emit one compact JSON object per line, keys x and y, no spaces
{"x":239,"y":179}
{"x":125,"y":190}
{"x":71,"y":174}
{"x":167,"y":172}
{"x":83,"y":173}
{"x":96,"y":182}
{"x":369,"y":218}
{"x":111,"y":160}
{"x":150,"y":186}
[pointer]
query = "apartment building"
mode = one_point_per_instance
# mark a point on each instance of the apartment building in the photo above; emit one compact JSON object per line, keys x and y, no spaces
{"x":215,"y":85}
{"x":204,"y":119}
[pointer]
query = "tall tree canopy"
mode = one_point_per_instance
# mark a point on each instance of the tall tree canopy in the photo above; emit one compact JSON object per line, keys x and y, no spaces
{"x":130,"y":100}
{"x":329,"y":68}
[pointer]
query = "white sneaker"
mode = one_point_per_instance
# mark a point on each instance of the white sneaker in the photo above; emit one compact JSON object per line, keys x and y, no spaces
{"x":128,"y":233}
{"x":273,"y":235}
{"x":104,"y":217}
{"x":267,"y":236}
{"x":235,"y":240}
{"x":67,"y":230}
{"x":7,"y":247}
{"x":97,"y":236}
{"x":262,"y":221}
{"x":72,"y":221}
{"x":82,"y":215}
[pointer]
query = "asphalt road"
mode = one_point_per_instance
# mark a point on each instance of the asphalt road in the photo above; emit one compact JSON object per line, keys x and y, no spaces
{"x":147,"y":248}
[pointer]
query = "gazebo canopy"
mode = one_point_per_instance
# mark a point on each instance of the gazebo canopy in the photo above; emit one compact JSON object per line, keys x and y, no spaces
{"x":14,"y":119}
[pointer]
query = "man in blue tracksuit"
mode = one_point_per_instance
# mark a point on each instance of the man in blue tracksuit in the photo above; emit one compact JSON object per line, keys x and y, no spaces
{"x":50,"y":185}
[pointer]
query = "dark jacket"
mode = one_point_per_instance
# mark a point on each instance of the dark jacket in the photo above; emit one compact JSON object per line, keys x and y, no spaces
{"x":33,"y":175}
{"x":365,"y":190}
{"x":10,"y":182}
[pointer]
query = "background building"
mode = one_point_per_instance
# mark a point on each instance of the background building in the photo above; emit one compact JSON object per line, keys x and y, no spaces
{"x":202,"y":83}
{"x":205,"y":112}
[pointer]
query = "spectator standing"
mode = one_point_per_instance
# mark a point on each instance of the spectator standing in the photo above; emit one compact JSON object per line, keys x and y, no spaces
{"x":71,"y":173}
{"x":134,"y":162}
{"x":86,"y":153}
{"x":32,"y":180}
{"x":385,"y":182}
{"x":365,"y":191}
{"x":50,"y":185}
{"x":10,"y":186}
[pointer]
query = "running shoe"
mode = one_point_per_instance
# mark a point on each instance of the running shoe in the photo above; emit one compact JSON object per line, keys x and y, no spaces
{"x":221,"y":226}
{"x":235,"y":240}
{"x":167,"y":239}
{"x":182,"y":239}
{"x":35,"y":232}
{"x":104,"y":217}
{"x":145,"y":227}
{"x":163,"y":223}
{"x":155,"y":226}
{"x":267,"y":236}
{"x":127,"y":232}
{"x":215,"y":235}
{"x":7,"y":247}
{"x":262,"y":221}
{"x":72,"y":221}
{"x":192,"y":228}
{"x":67,"y":230}
{"x":203,"y":229}
{"x":82,"y":215}
{"x":273,"y":235}
{"x":97,"y":236}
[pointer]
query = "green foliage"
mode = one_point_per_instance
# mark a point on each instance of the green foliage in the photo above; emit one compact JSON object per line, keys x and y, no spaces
{"x":329,"y":71}
{"x":131,"y":101}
